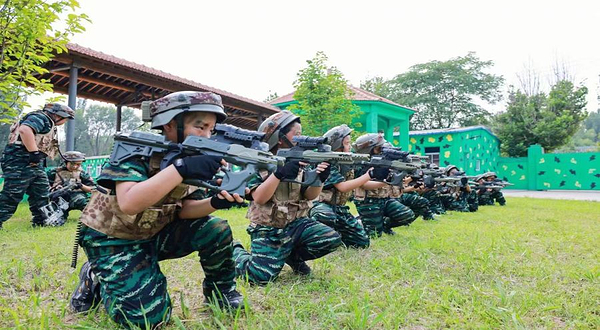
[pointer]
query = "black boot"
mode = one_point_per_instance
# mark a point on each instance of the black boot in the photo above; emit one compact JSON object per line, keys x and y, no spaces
{"x":87,"y":294}
{"x":230,"y":300}
{"x":298,"y":266}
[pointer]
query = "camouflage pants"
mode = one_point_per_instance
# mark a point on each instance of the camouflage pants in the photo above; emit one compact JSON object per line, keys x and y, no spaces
{"x":435,"y":202}
{"x":451,"y":203}
{"x":77,"y":201}
{"x":485,"y":198}
{"x":418,"y":204}
{"x":473,"y":201}
{"x":339,"y":218}
{"x":132,"y":286}
{"x":373,"y":211}
{"x":21,"y":178}
{"x":498,"y":196}
{"x":270,"y":248}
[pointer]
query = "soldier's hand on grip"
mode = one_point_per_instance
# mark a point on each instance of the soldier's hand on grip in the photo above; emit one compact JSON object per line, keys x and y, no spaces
{"x":379,"y":173}
{"x":35,"y":157}
{"x":288,"y":171}
{"x":324,"y":174}
{"x":201,"y":167}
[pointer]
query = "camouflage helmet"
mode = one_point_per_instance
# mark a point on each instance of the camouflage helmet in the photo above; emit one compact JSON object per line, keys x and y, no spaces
{"x":60,"y":110}
{"x":273,"y":125}
{"x":450,"y":168}
{"x":336,"y":136}
{"x":488,"y":174}
{"x":74,"y":156}
{"x":169,"y":106}
{"x":366,"y":143}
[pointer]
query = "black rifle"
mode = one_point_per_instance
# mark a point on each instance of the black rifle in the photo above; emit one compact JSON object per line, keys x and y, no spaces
{"x":230,"y":145}
{"x":315,"y":150}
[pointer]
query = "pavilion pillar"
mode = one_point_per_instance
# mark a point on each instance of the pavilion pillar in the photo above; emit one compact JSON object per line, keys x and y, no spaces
{"x":119,"y":113}
{"x":371,"y":122}
{"x":73,"y":72}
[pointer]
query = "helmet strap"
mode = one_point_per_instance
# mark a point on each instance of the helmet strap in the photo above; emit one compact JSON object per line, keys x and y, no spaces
{"x":179,"y":120}
{"x":284,"y":138}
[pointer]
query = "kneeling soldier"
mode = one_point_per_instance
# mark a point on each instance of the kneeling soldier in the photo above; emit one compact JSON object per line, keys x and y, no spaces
{"x":331,"y":207}
{"x":280,"y":228}
{"x":149,"y":215}
{"x":31,"y":140}
{"x":71,"y":175}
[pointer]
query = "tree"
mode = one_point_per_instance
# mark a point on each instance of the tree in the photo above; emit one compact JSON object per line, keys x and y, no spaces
{"x":96,"y":125}
{"x":549,"y":120}
{"x":271,"y":97}
{"x":31,"y":32}
{"x":445,"y":94}
{"x":324,"y":98}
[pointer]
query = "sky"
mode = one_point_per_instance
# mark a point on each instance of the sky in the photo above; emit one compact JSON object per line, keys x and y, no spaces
{"x":255,"y":48}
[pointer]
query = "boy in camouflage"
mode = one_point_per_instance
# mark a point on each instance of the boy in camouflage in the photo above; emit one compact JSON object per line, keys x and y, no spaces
{"x":496,"y":194}
{"x":411,"y":197}
{"x":31,"y":140}
{"x":331,"y":209}
{"x":71,"y":174}
{"x":148,"y":215}
{"x":280,"y":229}
{"x":377,"y":202}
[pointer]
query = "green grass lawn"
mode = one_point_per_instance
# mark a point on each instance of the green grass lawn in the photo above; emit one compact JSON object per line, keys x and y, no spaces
{"x":534,"y":264}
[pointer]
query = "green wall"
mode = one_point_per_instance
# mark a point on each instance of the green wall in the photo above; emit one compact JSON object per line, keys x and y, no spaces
{"x":515,"y":171}
{"x":461,"y":148}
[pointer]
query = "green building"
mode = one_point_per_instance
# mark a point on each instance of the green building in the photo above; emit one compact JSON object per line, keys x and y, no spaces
{"x":379,"y":114}
{"x":473,"y":149}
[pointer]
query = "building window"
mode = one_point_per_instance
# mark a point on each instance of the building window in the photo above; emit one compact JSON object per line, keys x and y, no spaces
{"x":478,"y":165}
{"x":434,"y":154}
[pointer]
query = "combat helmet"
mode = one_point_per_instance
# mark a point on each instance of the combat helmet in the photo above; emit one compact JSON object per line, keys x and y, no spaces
{"x":366,"y":143}
{"x":272,"y":126}
{"x":74,"y":156}
{"x":336,"y":136}
{"x":161,"y":111}
{"x":60,"y":110}
{"x":450,"y":168}
{"x":488,"y":174}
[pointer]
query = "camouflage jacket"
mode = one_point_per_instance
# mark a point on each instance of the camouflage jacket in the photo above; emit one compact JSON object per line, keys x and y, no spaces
{"x":286,"y":205}
{"x":60,"y":176}
{"x":104,"y":215}
{"x":330,"y":194}
{"x":45,"y":135}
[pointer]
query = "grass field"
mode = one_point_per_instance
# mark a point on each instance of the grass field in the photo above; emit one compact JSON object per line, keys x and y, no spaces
{"x":534,"y":264}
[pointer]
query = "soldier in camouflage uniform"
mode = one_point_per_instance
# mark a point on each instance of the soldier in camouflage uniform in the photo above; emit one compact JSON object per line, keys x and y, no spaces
{"x":281,"y":230}
{"x":127,"y":230}
{"x":331,"y":208}
{"x":31,"y":140}
{"x":377,"y":202}
{"x":483,"y":197}
{"x":71,"y":174}
{"x":456,"y":200}
{"x":496,"y":194}
{"x":411,"y":197}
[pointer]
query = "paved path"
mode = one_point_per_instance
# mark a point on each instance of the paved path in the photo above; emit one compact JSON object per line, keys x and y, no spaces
{"x":585,"y":195}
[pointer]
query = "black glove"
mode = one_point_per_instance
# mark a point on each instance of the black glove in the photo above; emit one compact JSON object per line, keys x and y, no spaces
{"x":78,"y":185}
{"x":288,"y":171}
{"x":325,"y":174}
{"x":220,"y":204}
{"x":200,"y":167}
{"x":35,"y":157}
{"x":379,"y":173}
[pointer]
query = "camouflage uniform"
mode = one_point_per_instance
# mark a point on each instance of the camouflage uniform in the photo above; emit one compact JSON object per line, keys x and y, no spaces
{"x":380,"y":210}
{"x":20,"y":176}
{"x":61,"y":176}
{"x":331,"y":210}
{"x":124,"y":250}
{"x":419,"y":205}
{"x":435,"y":202}
{"x":282,"y":232}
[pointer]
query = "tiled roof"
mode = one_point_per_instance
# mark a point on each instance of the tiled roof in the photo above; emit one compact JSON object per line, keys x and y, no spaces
{"x":359,"y":95}
{"x":77,"y":49}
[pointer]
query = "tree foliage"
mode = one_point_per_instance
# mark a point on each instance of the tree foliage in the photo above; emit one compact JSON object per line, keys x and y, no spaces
{"x":445,"y":94}
{"x":96,"y":124}
{"x":548,"y":120}
{"x":324,"y":98}
{"x":31,"y":31}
